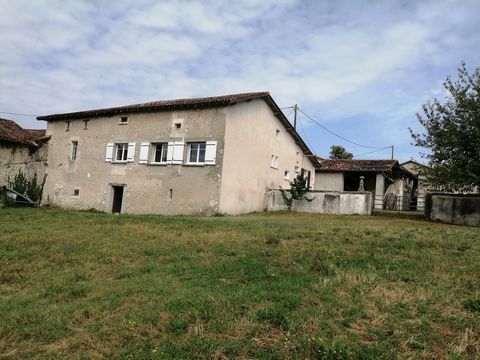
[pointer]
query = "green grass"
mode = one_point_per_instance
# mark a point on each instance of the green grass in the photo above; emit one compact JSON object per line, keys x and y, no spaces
{"x":261,"y":286}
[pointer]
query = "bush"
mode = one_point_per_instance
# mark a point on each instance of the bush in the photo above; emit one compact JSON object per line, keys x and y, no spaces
{"x":23,"y":185}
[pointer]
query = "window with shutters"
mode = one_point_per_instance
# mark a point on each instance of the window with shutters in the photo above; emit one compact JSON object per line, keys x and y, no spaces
{"x":196,"y":152}
{"x":120,"y":152}
{"x":159,"y":153}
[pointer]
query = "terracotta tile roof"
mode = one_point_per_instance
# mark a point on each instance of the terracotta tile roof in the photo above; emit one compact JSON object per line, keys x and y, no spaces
{"x":163,"y":105}
{"x":330,"y":165}
{"x":195,"y":103}
{"x":12,"y":132}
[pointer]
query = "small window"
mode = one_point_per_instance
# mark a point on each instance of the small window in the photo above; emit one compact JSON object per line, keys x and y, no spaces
{"x":67,"y":125}
{"x":277,"y":134}
{"x":76,"y":192}
{"x":124,"y":120}
{"x":297,"y":171}
{"x":74,"y":150}
{"x":274,"y":162}
{"x":86,"y":124}
{"x":286,"y":175}
{"x":121,"y":152}
{"x":159,"y":154}
{"x":196,"y":152}
{"x":178,"y":126}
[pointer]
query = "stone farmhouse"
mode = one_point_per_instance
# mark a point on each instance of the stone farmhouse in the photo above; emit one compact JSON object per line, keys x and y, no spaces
{"x":21,"y":149}
{"x":187,"y":156}
{"x":392,"y":185}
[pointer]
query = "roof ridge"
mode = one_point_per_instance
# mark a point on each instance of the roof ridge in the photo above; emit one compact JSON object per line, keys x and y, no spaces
{"x":160,"y":105}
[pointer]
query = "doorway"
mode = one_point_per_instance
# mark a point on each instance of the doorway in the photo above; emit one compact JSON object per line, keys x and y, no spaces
{"x":117,"y":199}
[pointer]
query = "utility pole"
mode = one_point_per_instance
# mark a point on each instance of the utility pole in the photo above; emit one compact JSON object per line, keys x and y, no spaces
{"x":392,"y":152}
{"x":295,"y":108}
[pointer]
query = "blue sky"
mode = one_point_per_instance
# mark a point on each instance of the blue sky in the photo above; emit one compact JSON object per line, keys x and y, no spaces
{"x":361,"y":68}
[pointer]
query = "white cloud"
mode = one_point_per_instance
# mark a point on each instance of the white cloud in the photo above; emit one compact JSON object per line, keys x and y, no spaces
{"x":337,"y":59}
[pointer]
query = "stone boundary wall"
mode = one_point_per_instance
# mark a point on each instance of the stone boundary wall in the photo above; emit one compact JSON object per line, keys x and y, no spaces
{"x":325,"y":202}
{"x":453,"y":208}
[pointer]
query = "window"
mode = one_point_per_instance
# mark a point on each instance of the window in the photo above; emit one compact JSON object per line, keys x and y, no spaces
{"x":277,"y":134}
{"x":178,"y":126}
{"x":67,"y":125}
{"x":274,"y":162}
{"x":76,"y":192}
{"x":286,"y":175}
{"x":196,"y":152}
{"x":74,"y":150}
{"x":86,"y":124}
{"x":159,"y":153}
{"x":124,"y":120}
{"x":297,"y":171}
{"x":121,"y":152}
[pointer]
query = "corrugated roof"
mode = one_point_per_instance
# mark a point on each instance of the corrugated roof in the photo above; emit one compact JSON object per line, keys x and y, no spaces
{"x":163,"y":105}
{"x":357,"y":165}
{"x":12,"y":132}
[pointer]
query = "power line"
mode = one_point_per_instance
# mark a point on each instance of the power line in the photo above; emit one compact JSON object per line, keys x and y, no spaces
{"x":305,"y":134}
{"x":339,"y":136}
{"x":12,"y":113}
{"x":374,"y":151}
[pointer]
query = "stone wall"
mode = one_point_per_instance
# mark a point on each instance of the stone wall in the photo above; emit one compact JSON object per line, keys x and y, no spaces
{"x":325,"y":202}
{"x":453,"y":208}
{"x":28,"y":159}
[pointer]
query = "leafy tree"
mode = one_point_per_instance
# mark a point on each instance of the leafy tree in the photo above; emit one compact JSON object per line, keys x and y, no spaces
{"x":339,"y":152}
{"x":298,"y":191}
{"x":452,"y":134}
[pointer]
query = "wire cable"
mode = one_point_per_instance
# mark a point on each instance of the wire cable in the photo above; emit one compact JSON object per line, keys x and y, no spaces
{"x":374,"y":151}
{"x":305,"y":134}
{"x":12,"y":113}
{"x":339,"y":136}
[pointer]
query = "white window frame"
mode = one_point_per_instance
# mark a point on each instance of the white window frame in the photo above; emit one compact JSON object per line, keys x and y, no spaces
{"x":74,"y":150}
{"x":164,"y":152}
{"x":124,"y":150}
{"x":286,"y":175}
{"x":196,"y":161}
{"x":274,"y":162}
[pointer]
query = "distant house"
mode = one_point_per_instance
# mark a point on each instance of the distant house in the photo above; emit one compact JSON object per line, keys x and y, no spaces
{"x":186,"y":156}
{"x":391,"y":185}
{"x":418,"y":170}
{"x":21,"y":149}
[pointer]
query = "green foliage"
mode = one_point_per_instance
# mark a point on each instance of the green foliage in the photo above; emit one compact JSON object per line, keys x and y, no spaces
{"x":298,"y":191}
{"x":473,"y":305}
{"x":272,"y":316}
{"x":452,"y":134}
{"x":25,"y":186}
{"x":187,"y":287}
{"x":339,"y":152}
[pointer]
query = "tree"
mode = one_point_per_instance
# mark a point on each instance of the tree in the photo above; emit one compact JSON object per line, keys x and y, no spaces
{"x":452,"y":134}
{"x":298,"y":191}
{"x":339,"y":152}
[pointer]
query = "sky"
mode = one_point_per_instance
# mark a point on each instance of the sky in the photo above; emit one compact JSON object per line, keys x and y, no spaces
{"x":360,"y":68}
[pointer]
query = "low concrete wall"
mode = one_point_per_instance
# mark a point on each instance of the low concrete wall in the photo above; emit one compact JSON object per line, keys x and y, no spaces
{"x":453,"y":208}
{"x":325,"y":202}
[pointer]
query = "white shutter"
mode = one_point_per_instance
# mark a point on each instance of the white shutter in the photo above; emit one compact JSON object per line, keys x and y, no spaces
{"x":170,"y":148}
{"x":178,"y":152}
{"x":131,"y":152}
{"x":143,"y":157}
{"x":109,"y":154}
{"x":210,"y":152}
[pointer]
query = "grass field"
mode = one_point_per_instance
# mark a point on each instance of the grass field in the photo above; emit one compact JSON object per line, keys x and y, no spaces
{"x":266,"y":286}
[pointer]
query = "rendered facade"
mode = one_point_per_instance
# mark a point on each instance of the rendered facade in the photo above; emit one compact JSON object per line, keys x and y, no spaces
{"x":187,"y":156}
